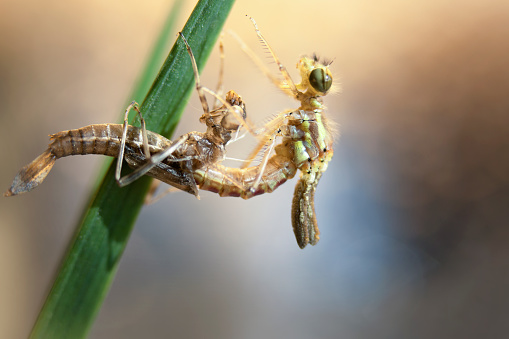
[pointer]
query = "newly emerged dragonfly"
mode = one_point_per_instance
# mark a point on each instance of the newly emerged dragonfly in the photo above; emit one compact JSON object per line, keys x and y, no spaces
{"x":306,"y":144}
{"x":307,"y":136}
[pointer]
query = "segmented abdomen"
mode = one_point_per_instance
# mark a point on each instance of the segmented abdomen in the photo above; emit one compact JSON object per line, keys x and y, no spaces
{"x":102,"y":139}
{"x":94,"y":139}
{"x":236,"y":182}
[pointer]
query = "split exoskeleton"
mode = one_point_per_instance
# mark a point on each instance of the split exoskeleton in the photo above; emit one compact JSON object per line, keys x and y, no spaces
{"x":293,"y":140}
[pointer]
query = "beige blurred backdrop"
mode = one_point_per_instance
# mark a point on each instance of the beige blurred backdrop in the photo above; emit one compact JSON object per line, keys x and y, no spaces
{"x":413,"y":209}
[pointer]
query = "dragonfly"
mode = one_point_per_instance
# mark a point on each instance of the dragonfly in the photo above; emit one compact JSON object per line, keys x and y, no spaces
{"x":306,"y":143}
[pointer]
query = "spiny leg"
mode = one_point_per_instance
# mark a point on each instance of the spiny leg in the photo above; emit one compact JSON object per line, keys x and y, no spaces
{"x":263,"y":164}
{"x":134,"y":105}
{"x":219,"y":86}
{"x":199,"y":87}
{"x":288,"y":80}
{"x":269,"y":132}
{"x":259,"y":63}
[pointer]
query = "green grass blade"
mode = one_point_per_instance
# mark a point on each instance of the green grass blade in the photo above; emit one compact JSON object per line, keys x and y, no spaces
{"x":90,"y":264}
{"x":145,"y":80}
{"x":159,"y":52}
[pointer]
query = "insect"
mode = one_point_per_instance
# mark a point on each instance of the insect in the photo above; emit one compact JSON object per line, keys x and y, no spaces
{"x":306,"y":144}
{"x":194,"y":160}
{"x":145,"y":151}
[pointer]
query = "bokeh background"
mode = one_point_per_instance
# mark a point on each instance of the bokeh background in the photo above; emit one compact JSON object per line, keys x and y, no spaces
{"x":413,"y":210}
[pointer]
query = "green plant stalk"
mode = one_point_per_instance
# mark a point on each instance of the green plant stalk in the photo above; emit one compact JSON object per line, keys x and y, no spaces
{"x":91,"y":261}
{"x":159,"y":52}
{"x":146,"y":78}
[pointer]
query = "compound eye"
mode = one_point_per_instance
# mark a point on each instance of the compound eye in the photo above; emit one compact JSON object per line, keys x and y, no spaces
{"x":320,"y":80}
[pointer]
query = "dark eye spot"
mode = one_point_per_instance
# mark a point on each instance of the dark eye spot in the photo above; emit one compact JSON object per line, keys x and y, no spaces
{"x":320,"y":80}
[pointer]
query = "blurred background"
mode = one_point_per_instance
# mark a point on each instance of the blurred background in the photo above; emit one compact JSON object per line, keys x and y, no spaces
{"x":413,"y":209}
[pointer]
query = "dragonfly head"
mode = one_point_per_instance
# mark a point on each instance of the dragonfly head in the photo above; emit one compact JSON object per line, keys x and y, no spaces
{"x":316,"y":76}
